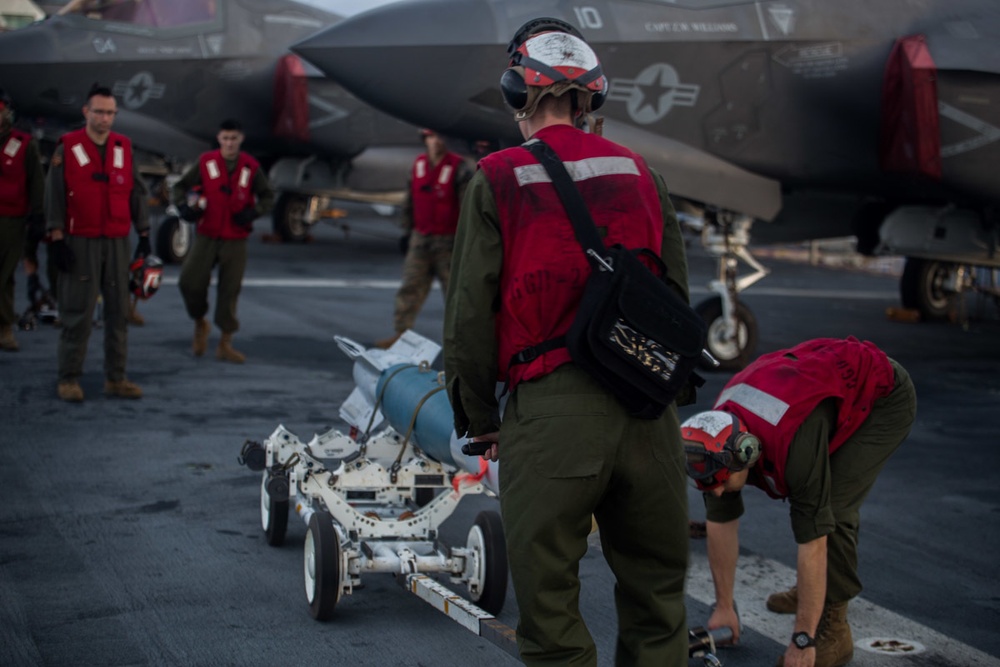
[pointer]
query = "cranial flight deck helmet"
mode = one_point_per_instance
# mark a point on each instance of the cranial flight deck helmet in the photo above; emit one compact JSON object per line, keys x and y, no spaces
{"x":145,"y":274}
{"x":550,"y":57}
{"x":717,"y":444}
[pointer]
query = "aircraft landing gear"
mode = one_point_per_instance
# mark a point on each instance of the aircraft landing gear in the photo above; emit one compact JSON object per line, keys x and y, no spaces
{"x":290,"y":217}
{"x":173,"y":239}
{"x":732,"y":328}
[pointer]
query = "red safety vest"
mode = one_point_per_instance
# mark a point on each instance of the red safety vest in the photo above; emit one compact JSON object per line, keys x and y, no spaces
{"x":14,"y":175}
{"x":225,"y":194}
{"x":544,"y":267}
{"x":434,"y":195}
{"x":97,"y":196}
{"x":775,"y":394}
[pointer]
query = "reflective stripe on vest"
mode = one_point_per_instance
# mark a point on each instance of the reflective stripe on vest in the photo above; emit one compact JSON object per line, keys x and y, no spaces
{"x":776,"y":393}
{"x":544,"y":267}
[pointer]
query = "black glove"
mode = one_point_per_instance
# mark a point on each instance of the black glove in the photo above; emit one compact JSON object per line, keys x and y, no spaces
{"x":245,"y":217}
{"x":142,"y":249}
{"x":34,"y":288}
{"x":404,"y":243}
{"x":36,"y":228}
{"x":62,"y":255}
{"x":190,"y":213}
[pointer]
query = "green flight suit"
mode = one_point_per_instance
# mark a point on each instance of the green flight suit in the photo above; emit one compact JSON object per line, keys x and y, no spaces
{"x":826,"y":491}
{"x":13,"y":232}
{"x":100,"y":269}
{"x":230,"y":255}
{"x":569,"y":451}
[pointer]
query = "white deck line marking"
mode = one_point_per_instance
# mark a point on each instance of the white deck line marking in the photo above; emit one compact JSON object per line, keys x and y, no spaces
{"x":345,"y":283}
{"x":757,"y":577}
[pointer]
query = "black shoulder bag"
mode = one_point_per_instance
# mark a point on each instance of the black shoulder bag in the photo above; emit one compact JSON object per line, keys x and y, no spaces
{"x":632,"y":332}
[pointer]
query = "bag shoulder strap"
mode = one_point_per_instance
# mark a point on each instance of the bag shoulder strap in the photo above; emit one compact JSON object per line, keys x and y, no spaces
{"x":572,"y":200}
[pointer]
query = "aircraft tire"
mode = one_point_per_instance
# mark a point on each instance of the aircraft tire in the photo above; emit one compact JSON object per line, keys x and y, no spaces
{"x":732,"y":355}
{"x":273,"y":515}
{"x":172,"y":245}
{"x":486,"y":538}
{"x":288,"y":218}
{"x":322,"y":566}
{"x":921,"y":287}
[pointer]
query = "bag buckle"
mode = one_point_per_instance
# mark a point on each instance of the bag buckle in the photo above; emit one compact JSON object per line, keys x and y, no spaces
{"x":606,"y":264}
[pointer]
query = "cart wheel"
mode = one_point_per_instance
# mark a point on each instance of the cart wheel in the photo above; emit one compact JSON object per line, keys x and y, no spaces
{"x":322,"y":566}
{"x":273,"y":515}
{"x":489,"y":549}
{"x":732,"y":353}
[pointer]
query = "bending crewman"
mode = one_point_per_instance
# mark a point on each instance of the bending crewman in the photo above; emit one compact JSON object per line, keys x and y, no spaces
{"x":813,"y":424}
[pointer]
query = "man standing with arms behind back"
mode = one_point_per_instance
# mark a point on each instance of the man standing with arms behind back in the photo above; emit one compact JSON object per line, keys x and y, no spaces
{"x":235,"y":192}
{"x":22,"y":186}
{"x":94,"y":194}
{"x":569,"y":449}
{"x":437,"y":183}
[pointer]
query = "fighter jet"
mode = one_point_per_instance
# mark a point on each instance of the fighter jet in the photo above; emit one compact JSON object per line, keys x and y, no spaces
{"x":179,"y":68}
{"x":813,"y":118}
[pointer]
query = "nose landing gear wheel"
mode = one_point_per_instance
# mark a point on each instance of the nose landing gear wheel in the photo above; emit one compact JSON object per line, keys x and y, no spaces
{"x":322,"y":566}
{"x":273,"y":515}
{"x":173,"y":240}
{"x":733,"y":353}
{"x":489,"y":554}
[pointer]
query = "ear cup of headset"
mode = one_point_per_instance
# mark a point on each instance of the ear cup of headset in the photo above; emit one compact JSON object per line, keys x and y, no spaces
{"x":514,"y":89}
{"x":746,"y":449}
{"x":597,"y":98}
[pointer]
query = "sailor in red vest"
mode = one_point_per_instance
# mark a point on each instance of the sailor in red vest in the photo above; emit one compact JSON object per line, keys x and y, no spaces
{"x":437,"y":183}
{"x":94,"y":196}
{"x":22,"y":186}
{"x":813,"y":424}
{"x":568,"y":449}
{"x":234,"y":191}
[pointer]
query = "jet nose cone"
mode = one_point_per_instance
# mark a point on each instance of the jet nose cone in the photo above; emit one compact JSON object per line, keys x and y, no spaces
{"x":428,"y":62}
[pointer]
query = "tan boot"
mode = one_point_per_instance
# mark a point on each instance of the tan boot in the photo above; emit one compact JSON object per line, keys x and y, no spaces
{"x":70,"y":391}
{"x":200,"y":343}
{"x":225,"y":352}
{"x":122,"y":389}
{"x":7,"y":340}
{"x":786,"y":602}
{"x":386,"y":343}
{"x":834,"y":644}
{"x":133,"y":317}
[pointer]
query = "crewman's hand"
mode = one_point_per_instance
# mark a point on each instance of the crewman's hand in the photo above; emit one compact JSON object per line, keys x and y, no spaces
{"x":798,"y":657}
{"x":62,"y":255}
{"x":190,"y":213}
{"x":142,"y":248}
{"x":245,"y":217}
{"x":493,"y":453}
{"x":725,"y":617}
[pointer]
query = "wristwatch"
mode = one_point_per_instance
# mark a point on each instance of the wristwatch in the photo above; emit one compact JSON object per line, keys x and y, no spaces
{"x":803,"y":640}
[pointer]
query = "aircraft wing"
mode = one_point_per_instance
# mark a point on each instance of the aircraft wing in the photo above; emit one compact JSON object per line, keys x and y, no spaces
{"x":158,"y":136}
{"x":694,"y":174}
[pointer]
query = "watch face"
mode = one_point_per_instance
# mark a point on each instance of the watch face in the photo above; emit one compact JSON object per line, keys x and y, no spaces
{"x":802,"y":639}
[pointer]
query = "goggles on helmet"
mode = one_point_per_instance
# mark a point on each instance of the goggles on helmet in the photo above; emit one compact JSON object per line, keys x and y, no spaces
{"x":715,"y":446}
